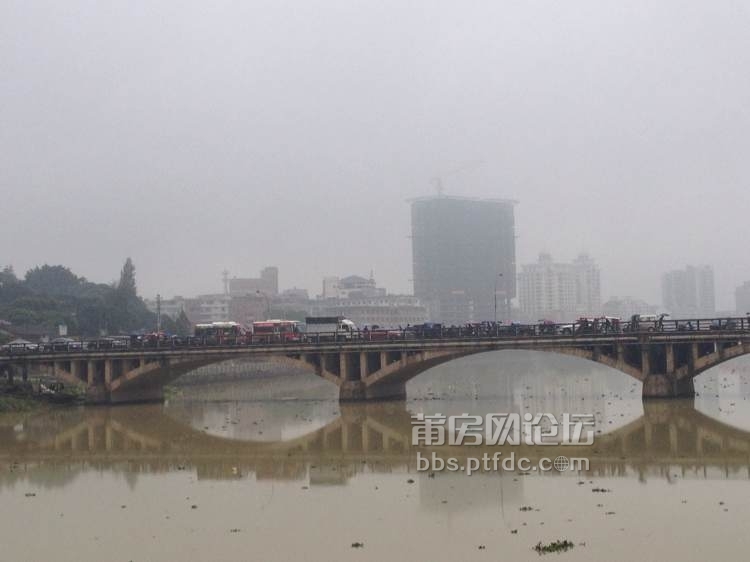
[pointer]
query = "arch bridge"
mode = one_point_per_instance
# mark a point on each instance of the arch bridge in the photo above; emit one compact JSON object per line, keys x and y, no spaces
{"x":665,"y":362}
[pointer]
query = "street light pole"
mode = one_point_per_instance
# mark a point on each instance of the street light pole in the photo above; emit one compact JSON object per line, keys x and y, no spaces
{"x":498,"y":276}
{"x":158,"y":319}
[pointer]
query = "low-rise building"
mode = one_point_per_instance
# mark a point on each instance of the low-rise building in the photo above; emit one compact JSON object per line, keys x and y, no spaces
{"x":389,"y":311}
{"x":267,"y":283}
{"x":626,"y":307}
{"x":352,"y":286}
{"x":362,"y":301}
{"x":169,"y":307}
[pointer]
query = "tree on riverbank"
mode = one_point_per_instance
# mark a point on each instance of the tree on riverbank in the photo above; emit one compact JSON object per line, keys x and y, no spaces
{"x":51,"y":295}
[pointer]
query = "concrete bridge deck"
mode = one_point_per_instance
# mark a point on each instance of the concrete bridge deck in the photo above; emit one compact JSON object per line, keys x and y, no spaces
{"x":665,"y":362}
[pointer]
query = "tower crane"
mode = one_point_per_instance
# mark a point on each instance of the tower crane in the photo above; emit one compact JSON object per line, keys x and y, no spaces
{"x":437,"y":181}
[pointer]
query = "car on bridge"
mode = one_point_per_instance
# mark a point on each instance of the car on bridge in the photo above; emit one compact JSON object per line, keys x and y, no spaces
{"x":428,"y":330}
{"x":111,"y":342}
{"x":62,"y":344}
{"x":724,"y":324}
{"x":547,"y":328}
{"x":646,"y":322}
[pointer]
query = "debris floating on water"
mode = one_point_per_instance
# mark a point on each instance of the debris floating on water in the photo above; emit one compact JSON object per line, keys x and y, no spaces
{"x":562,"y":545}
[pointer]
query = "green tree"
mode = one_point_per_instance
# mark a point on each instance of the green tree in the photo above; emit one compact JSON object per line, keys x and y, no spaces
{"x":11,"y":289}
{"x":127,"y":279}
{"x":54,"y":280}
{"x":183,"y":326}
{"x":7,"y":277}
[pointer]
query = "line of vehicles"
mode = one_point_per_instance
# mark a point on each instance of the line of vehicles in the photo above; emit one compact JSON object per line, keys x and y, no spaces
{"x":318,"y":329}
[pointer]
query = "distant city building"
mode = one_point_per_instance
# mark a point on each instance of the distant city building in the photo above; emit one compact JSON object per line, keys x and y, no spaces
{"x":169,"y":307}
{"x":292,"y":304}
{"x":330,"y":288}
{"x":207,"y":308}
{"x":294,"y":295}
{"x":267,"y":283}
{"x":742,"y":298}
{"x":588,"y":285}
{"x":689,"y":292}
{"x":246,"y":309}
{"x":361,"y":300}
{"x":559,"y":291}
{"x":464,"y":257}
{"x":626,"y":307}
{"x":349,"y":287}
{"x":390,"y":311}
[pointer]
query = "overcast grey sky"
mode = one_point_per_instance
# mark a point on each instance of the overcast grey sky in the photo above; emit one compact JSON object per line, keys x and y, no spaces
{"x":197,"y":136}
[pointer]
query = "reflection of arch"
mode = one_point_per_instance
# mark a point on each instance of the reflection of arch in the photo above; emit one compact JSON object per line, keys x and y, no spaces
{"x":377,"y":436}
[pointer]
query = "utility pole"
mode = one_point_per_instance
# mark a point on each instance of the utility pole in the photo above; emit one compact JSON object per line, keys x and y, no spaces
{"x":225,"y":280}
{"x":158,"y":314}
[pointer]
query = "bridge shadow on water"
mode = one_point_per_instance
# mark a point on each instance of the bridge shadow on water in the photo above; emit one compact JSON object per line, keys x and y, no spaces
{"x":330,"y":443}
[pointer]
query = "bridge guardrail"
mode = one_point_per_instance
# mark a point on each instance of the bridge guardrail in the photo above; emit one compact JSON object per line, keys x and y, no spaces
{"x":435,"y":332}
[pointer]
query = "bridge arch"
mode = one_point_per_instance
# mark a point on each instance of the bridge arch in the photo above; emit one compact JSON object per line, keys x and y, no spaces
{"x":427,"y":363}
{"x":665,"y":363}
{"x":397,"y":374}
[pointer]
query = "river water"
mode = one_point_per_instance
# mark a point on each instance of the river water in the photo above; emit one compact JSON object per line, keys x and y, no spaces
{"x":274,"y":468}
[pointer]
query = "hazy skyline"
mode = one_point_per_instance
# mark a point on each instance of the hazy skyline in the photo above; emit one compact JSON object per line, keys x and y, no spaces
{"x":195,"y":136}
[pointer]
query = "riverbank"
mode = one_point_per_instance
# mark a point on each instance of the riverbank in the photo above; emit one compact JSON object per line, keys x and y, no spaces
{"x":19,"y":404}
{"x":21,"y":397}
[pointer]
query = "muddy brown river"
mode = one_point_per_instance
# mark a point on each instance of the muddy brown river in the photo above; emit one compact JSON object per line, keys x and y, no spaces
{"x":274,"y":468}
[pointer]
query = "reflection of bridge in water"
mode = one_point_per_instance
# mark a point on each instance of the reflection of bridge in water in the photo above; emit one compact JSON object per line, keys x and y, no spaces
{"x":670,"y":438}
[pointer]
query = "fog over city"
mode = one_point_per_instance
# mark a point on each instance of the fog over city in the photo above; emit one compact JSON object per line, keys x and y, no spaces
{"x":201,"y":136}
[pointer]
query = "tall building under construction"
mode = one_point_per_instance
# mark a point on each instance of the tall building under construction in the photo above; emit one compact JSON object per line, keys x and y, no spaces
{"x":464,"y":257}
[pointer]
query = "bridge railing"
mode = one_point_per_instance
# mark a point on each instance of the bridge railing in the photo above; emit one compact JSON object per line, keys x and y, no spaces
{"x":482,"y":330}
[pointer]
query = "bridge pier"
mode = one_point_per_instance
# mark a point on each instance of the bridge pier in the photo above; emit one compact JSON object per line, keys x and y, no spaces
{"x":151,"y":393}
{"x":656,"y":386}
{"x":96,"y":395}
{"x":13,"y":371}
{"x":358,"y":391}
{"x":8,"y":371}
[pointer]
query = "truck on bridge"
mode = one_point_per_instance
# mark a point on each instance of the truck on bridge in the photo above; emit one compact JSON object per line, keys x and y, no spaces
{"x":330,"y":328}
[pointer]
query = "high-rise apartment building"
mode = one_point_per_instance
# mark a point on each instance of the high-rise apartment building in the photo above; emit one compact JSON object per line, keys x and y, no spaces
{"x":742,"y":298}
{"x":464,"y":257}
{"x":559,"y":291}
{"x":689,"y":292}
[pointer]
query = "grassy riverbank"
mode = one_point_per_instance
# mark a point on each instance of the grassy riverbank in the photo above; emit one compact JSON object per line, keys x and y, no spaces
{"x":21,"y":397}
{"x":20,"y":404}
